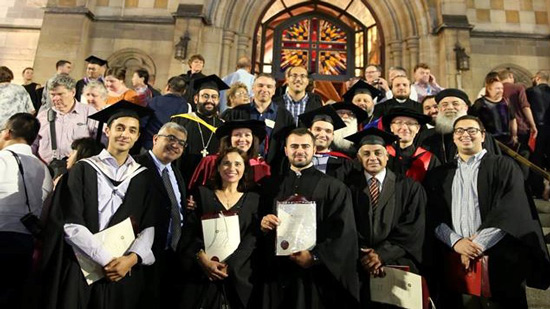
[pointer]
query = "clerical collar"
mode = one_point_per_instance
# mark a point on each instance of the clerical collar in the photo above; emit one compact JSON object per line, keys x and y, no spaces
{"x":304,"y":170}
{"x":401,"y":100}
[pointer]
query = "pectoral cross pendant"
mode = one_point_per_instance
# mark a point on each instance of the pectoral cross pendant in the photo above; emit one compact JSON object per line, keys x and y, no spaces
{"x":204,"y":152}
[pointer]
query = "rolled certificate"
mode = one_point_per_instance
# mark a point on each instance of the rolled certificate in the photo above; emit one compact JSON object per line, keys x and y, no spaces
{"x":297,"y":230}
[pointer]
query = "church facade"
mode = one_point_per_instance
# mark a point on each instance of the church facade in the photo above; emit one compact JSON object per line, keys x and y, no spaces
{"x":461,"y":40}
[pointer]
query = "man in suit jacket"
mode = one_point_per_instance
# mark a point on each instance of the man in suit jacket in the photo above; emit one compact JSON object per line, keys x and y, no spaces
{"x":296,"y":99}
{"x":389,"y":211}
{"x":169,"y":193}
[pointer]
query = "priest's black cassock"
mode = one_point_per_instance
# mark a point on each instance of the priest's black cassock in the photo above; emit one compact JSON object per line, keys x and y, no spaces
{"x":395,"y":228}
{"x":199,"y":138}
{"x":503,"y":203}
{"x":333,"y":282}
{"x":76,"y":201}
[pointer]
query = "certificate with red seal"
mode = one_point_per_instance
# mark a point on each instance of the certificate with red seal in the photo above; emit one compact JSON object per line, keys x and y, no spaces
{"x":297,"y":230}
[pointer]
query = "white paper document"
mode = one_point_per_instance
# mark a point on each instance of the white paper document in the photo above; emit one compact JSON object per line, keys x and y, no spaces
{"x":116,"y":239}
{"x":297,"y":230}
{"x":222,"y":236}
{"x":400,"y":288}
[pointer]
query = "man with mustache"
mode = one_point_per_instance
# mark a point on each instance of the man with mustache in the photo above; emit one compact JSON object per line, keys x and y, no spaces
{"x":452,"y":104}
{"x":201,"y":124}
{"x":170,"y":197}
{"x":401,"y":89}
{"x":296,"y":99}
{"x":325,"y":276}
{"x":389,"y":211}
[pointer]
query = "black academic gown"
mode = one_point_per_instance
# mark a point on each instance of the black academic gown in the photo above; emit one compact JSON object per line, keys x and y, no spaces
{"x":331,"y":283}
{"x":236,"y":289}
{"x":283,"y":120}
{"x":76,"y":201}
{"x":163,"y":276}
{"x":395,"y":228}
{"x":503,"y":203}
{"x":443,"y":147}
{"x":384,"y":108}
{"x":195,"y":143}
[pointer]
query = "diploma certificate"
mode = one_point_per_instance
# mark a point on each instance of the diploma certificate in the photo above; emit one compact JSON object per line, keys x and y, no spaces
{"x":400,"y":288}
{"x":116,"y":239}
{"x":222,"y":235}
{"x":297,"y":230}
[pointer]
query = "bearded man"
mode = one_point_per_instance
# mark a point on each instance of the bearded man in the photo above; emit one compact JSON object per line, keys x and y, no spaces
{"x":352,"y":115}
{"x":452,"y":104}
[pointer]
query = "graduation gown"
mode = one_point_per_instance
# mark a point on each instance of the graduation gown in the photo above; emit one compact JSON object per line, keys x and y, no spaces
{"x":236,"y":289}
{"x":333,"y":281}
{"x":443,"y":147}
{"x":195,"y":143}
{"x":76,"y":201}
{"x":413,"y":162}
{"x":395,"y":228}
{"x":283,"y":120}
{"x":314,"y":101}
{"x":163,"y":276}
{"x":338,"y":165}
{"x":503,"y":203}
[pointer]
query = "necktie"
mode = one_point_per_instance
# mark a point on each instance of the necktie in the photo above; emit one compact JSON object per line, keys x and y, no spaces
{"x":374,"y":191}
{"x":175,"y":227}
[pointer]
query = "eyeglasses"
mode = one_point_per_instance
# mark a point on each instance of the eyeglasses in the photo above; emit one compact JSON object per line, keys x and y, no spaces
{"x":470,"y":131}
{"x":174,"y":140}
{"x":295,"y":76}
{"x":207,"y":97}
{"x":407,"y":123}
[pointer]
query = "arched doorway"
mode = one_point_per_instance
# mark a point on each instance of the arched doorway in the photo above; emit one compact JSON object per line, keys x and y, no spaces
{"x":132,"y":59}
{"x":334,"y":42}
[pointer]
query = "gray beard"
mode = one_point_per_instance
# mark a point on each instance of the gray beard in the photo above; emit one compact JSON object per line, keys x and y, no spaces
{"x":339,"y":136}
{"x":444,"y":124}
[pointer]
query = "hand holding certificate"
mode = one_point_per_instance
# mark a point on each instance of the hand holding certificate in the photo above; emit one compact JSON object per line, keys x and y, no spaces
{"x":297,"y":230}
{"x":397,"y":287}
{"x":221,"y":234}
{"x":117,"y":240}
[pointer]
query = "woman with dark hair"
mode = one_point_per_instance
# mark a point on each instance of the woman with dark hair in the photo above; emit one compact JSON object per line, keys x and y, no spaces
{"x":227,"y":283}
{"x":115,"y":83}
{"x":246,"y":135}
{"x":83,"y":148}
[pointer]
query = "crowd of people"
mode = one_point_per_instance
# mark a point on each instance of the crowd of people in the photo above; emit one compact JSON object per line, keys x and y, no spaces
{"x":401,"y":174}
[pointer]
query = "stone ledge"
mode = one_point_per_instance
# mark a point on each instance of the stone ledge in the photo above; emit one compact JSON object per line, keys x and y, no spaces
{"x":453,"y":22}
{"x":508,"y":35}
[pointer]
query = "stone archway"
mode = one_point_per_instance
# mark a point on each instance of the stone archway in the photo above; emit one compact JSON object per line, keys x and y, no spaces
{"x":132,"y":59}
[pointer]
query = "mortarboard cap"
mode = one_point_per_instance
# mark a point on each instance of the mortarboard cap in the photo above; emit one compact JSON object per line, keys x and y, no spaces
{"x":361,"y":87}
{"x":119,"y":109}
{"x":325,"y":113}
{"x":209,"y":82}
{"x":256,"y":126}
{"x":372,"y":136}
{"x":360,"y":114}
{"x":405,"y":112}
{"x":96,"y":60}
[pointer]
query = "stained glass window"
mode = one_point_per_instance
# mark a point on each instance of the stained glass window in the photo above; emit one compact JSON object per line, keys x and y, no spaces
{"x":316,"y":43}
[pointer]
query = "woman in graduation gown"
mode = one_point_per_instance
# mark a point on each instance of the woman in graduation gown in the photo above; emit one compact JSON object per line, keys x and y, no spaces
{"x":229,"y":283}
{"x":246,"y":135}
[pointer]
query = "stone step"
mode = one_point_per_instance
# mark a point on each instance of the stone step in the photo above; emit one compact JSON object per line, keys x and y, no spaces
{"x":546,"y":234}
{"x":538,"y":299}
{"x":544,"y":219}
{"x":542,"y":206}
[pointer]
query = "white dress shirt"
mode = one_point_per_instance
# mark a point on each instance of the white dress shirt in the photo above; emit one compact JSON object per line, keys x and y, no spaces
{"x":12,"y":195}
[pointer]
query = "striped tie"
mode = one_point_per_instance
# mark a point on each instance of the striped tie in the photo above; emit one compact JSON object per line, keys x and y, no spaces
{"x":374,"y":192}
